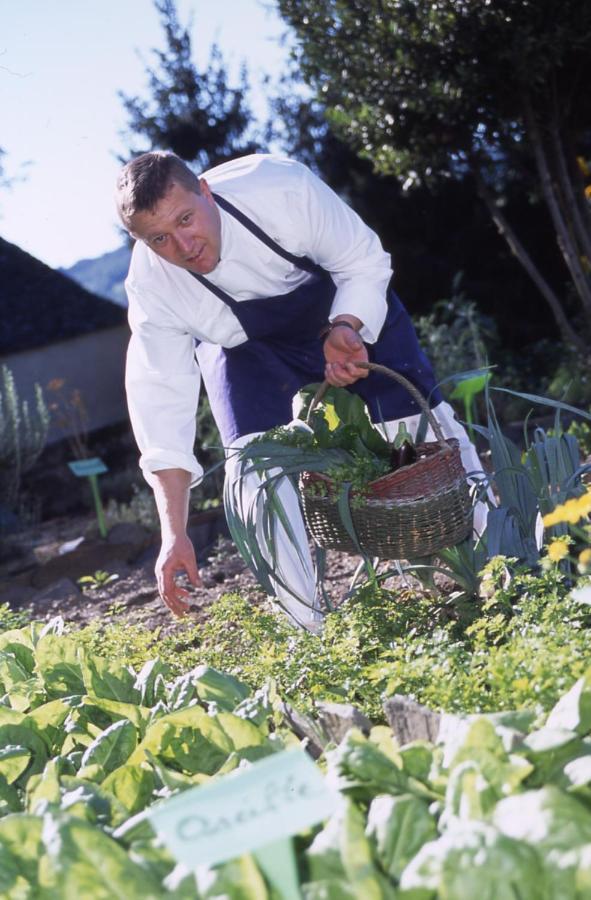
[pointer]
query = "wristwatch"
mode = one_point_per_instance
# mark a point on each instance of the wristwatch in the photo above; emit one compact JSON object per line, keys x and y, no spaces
{"x":329,"y":327}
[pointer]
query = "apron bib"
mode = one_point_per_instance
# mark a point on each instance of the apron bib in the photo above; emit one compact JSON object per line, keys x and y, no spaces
{"x":251,"y":387}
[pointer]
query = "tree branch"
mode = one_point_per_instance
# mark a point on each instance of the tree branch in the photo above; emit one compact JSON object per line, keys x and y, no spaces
{"x":582,"y":229}
{"x":569,"y":253}
{"x":569,"y":335}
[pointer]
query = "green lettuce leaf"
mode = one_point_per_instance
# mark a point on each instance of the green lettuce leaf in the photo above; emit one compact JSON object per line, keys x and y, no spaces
{"x":223,"y":690}
{"x":82,"y":861}
{"x":399,"y":826}
{"x":112,"y":748}
{"x":108,"y":679}
{"x":474,"y":860}
{"x":20,"y":850}
{"x":548,"y":819}
{"x":573,"y":710}
{"x":133,"y":786}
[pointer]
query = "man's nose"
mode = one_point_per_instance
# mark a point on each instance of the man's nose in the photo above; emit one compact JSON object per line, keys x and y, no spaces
{"x":184,"y":241}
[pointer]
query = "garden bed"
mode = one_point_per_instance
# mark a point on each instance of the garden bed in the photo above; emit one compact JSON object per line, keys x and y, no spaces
{"x":39,"y":582}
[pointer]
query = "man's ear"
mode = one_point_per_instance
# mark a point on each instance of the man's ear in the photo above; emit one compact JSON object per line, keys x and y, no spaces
{"x":205,"y":191}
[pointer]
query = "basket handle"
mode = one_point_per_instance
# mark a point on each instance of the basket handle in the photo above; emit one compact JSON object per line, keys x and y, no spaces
{"x":396,"y":376}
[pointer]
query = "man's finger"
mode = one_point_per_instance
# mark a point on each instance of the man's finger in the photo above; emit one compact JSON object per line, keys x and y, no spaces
{"x":341,"y":376}
{"x":176,"y":604}
{"x":356,"y":371}
{"x":193,"y":573}
{"x":171,"y":594}
{"x":181,"y":606}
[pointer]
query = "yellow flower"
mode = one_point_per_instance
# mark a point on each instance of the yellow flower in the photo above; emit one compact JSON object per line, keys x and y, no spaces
{"x":588,"y":192}
{"x":572,"y":511}
{"x":558,"y":549}
{"x":584,"y":563}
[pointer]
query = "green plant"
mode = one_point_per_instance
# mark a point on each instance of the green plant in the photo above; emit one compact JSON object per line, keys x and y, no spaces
{"x":23,"y":433}
{"x":520,"y":642}
{"x":99,"y":580}
{"x":572,"y":546}
{"x":570,"y":380}
{"x":582,"y":432}
{"x":70,"y":415}
{"x":141,"y":509}
{"x":89,"y":744}
{"x":456,"y":335}
{"x":466,"y":390}
{"x":12,"y":618}
{"x":340,"y":438}
{"x":527,"y":484}
{"x":546,"y":475}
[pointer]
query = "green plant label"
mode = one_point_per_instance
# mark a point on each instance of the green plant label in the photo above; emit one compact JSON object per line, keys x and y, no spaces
{"x":84,"y":467}
{"x":270,"y":800}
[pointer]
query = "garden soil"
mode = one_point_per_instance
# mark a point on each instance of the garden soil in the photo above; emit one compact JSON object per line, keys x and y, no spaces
{"x":45,"y":583}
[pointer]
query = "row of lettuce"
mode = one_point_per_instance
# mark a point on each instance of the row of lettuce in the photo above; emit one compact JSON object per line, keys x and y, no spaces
{"x":500,"y":807}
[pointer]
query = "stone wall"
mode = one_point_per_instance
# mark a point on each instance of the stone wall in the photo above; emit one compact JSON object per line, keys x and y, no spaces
{"x":92,"y":363}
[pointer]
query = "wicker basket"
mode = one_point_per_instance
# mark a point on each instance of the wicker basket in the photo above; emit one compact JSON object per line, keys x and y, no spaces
{"x":411,"y":512}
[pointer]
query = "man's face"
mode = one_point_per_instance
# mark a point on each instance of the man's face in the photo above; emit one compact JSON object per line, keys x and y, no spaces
{"x":184,"y":228}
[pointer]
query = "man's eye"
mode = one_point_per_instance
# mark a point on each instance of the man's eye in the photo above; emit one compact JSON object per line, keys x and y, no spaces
{"x":186,"y":219}
{"x":159,"y":239}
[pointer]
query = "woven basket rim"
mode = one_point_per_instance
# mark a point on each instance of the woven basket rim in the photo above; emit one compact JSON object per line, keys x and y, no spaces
{"x":408,"y":470}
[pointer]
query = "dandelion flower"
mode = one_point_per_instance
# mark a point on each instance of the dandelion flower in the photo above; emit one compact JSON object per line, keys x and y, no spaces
{"x":584,"y":561}
{"x":572,"y":511}
{"x":558,"y":549}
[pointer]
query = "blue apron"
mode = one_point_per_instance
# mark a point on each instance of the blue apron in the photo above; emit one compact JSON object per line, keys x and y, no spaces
{"x":251,"y":387}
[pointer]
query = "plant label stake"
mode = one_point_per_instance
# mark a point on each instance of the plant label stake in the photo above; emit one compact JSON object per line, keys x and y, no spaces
{"x":254,"y":810}
{"x":91,"y":468}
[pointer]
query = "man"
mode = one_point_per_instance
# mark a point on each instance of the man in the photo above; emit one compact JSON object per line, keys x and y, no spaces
{"x":280,"y":284}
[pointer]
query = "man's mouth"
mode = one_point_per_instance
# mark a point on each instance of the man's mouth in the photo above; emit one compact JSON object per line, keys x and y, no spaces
{"x":195,"y":257}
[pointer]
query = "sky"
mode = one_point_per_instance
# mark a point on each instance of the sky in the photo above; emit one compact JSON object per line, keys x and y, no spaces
{"x":62,"y":63}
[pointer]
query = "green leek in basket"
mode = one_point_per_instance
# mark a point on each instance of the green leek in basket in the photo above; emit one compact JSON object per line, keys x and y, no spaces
{"x":340,"y":441}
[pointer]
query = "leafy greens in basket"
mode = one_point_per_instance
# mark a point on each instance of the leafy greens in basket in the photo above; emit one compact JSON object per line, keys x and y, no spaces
{"x":339,"y":440}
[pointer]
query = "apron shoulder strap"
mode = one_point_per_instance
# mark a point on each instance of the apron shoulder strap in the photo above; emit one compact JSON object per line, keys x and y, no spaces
{"x":302,"y":262}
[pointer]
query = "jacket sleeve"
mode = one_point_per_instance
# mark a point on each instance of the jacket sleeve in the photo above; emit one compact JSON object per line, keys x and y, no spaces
{"x":162,"y":382}
{"x":346,"y":247}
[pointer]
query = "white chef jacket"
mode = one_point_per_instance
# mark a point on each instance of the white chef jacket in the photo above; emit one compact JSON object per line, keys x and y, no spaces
{"x":169,"y":308}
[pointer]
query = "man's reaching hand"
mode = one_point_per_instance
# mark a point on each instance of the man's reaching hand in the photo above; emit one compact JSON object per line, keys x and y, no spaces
{"x":176,"y":555}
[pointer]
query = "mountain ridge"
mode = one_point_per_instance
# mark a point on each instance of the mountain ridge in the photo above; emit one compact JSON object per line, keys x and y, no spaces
{"x":103,"y":275}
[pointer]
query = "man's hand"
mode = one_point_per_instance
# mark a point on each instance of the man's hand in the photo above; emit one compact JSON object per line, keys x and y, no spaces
{"x":342,"y":349}
{"x":171,"y":492}
{"x":176,"y":555}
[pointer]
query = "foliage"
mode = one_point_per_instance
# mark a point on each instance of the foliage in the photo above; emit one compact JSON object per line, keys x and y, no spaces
{"x":11,"y":618}
{"x":69,"y":413}
{"x":23,"y":433}
{"x":500,"y":803}
{"x":340,"y":440}
{"x":582,"y":432}
{"x":527,"y":484}
{"x":455,"y":335}
{"x":99,"y":579}
{"x":422,"y":90}
{"x":344,"y":445}
{"x":210,"y":450}
{"x":141,"y":509}
{"x":518,"y":644}
{"x":572,"y":549}
{"x":195,"y":114}
{"x":570,"y":380}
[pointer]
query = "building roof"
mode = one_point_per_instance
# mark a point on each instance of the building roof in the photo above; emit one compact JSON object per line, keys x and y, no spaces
{"x":40,"y":306}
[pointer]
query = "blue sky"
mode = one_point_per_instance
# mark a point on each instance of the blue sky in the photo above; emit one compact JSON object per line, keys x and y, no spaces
{"x":61,"y":65}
